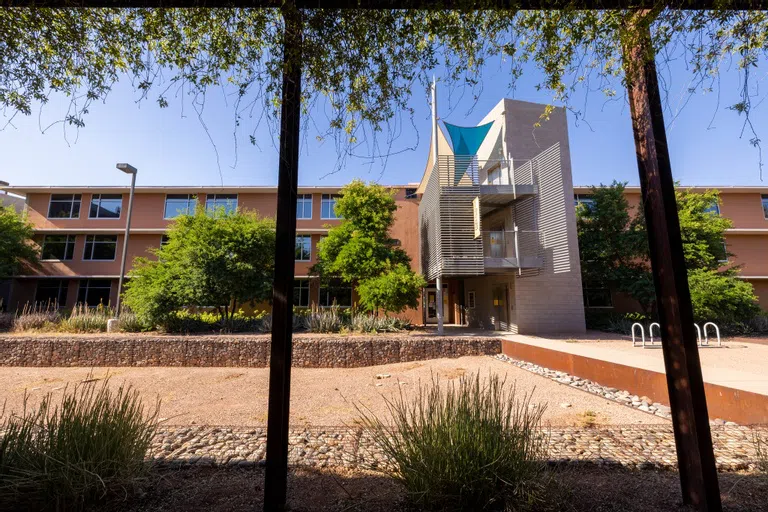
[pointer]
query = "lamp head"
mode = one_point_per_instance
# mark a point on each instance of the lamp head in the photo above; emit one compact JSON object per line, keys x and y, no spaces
{"x":127,"y":168}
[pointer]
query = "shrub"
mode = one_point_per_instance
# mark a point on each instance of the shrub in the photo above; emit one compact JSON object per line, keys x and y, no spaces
{"x":129,"y":322}
{"x":86,"y":319}
{"x":474,"y":445}
{"x":325,"y":320}
{"x":361,"y":322}
{"x":721,"y":298}
{"x":37,"y":317}
{"x":71,"y":455}
{"x":395,"y":290}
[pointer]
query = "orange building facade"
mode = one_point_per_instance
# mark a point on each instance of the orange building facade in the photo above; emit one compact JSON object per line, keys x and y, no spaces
{"x":80,"y":231}
{"x":747,"y":240}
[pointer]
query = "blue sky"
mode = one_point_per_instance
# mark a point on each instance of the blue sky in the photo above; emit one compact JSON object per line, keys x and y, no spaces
{"x":171,"y":147}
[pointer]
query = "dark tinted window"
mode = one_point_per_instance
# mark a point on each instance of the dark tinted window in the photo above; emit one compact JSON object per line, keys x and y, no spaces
{"x":51,"y":291}
{"x":301,"y":293}
{"x":100,"y":247}
{"x":64,"y":206}
{"x":179,"y":204}
{"x":58,"y":247}
{"x":336,"y":293}
{"x":93,"y":292}
{"x":303,"y":248}
{"x":106,"y":206}
{"x":410,"y":193}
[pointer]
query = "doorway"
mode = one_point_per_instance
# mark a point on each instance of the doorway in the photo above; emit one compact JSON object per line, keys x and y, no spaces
{"x":499,"y":308}
{"x":431,"y":305}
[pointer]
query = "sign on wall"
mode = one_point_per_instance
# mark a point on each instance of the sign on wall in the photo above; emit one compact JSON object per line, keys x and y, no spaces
{"x":476,"y":215}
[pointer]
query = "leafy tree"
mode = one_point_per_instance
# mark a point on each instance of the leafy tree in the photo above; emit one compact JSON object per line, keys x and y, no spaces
{"x":221,"y":260}
{"x":614,"y":253}
{"x":721,"y":298}
{"x":360,"y":249}
{"x":365,"y":63}
{"x":612,"y":245}
{"x":16,"y":247}
{"x":392,"y":291}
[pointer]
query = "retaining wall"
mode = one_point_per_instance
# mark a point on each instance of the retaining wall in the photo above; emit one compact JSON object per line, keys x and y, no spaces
{"x":233,"y":350}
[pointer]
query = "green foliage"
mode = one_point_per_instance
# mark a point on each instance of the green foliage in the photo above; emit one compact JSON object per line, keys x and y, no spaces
{"x":85,"y":319}
{"x":188,"y":322}
{"x":360,"y":250}
{"x":474,"y":445}
{"x":394,"y":291}
{"x":366,"y":63}
{"x":613,"y":246}
{"x":702,"y":231}
{"x":218,"y":261}
{"x":73,"y":455}
{"x":721,"y":298}
{"x":16,"y":247}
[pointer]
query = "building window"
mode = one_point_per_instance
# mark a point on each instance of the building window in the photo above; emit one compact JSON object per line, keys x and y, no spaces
{"x":723,"y":256}
{"x":471,"y":300}
{"x":51,"y":291}
{"x":93,"y":292}
{"x":713,"y":208}
{"x":301,"y":293}
{"x":214,"y":203}
{"x":585,"y":199}
{"x":164,"y":240}
{"x":410,"y":193}
{"x":58,"y":247}
{"x":764,"y":198}
{"x":303,"y":247}
{"x":598,"y":298}
{"x":179,"y":204}
{"x":100,"y":247}
{"x":336,"y":293}
{"x":64,"y":206}
{"x":304,"y":206}
{"x":494,"y":176}
{"x":106,"y":206}
{"x":328,"y":207}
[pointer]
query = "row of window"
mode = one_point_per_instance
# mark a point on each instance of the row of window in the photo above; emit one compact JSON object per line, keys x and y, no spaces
{"x":589,"y":202}
{"x":90,"y":292}
{"x":109,"y":206}
{"x":62,"y":247}
{"x":104,"y":247}
{"x":93,"y":292}
{"x":333,"y":294}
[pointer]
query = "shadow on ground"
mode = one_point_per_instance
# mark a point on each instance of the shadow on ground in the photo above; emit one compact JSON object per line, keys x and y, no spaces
{"x":575,"y":487}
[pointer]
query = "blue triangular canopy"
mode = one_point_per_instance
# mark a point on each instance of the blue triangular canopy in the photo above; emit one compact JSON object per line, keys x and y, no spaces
{"x":466,"y":140}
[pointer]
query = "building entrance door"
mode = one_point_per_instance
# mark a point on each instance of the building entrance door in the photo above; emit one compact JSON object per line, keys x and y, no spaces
{"x":431,"y":305}
{"x":500,"y":312}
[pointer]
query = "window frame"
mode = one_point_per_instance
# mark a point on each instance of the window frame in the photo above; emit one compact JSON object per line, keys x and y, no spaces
{"x":609,"y":295}
{"x":471,"y":299}
{"x":88,"y":287}
{"x":764,"y":204}
{"x":164,"y":240}
{"x":298,"y":287}
{"x":63,"y":289}
{"x":211,"y":209}
{"x":324,"y":291}
{"x":75,"y":198}
{"x":585,"y":199}
{"x":93,"y":242}
{"x":331,"y":200}
{"x":69,"y":247}
{"x":725,"y":252}
{"x":309,"y":238}
{"x":100,"y":198}
{"x":301,"y":199}
{"x":191,"y":199}
{"x":411,"y":193}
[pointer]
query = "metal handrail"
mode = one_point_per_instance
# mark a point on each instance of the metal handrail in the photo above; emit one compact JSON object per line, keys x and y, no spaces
{"x":642,"y":333}
{"x":650,"y":331}
{"x":717,"y":331}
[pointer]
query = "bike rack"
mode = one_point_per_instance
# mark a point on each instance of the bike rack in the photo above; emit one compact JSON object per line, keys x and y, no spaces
{"x":717,"y":331}
{"x":650,"y":331}
{"x":701,"y":342}
{"x":642,"y":333}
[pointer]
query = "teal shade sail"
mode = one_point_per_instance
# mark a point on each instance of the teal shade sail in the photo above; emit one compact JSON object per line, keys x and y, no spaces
{"x":466,"y":140}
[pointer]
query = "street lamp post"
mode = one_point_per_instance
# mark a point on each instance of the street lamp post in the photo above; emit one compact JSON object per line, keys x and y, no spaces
{"x":128,"y":169}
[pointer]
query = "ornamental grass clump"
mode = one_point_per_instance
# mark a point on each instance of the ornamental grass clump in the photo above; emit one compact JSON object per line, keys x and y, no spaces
{"x":474,"y":444}
{"x":87,"y":319}
{"x":77,"y":453}
{"x":37,"y":317}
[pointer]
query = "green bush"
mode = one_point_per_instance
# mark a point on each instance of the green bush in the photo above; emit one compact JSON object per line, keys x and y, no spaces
{"x":721,"y":298}
{"x":129,"y":322}
{"x":474,"y":445}
{"x":70,"y":456}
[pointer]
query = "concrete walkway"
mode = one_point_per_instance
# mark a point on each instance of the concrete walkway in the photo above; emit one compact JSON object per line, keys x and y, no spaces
{"x":739,"y":365}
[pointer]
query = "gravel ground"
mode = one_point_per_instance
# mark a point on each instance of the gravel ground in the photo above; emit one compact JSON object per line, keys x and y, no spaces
{"x":238,"y":396}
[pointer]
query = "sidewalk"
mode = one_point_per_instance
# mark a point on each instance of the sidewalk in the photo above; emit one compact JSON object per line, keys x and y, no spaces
{"x":737,"y":364}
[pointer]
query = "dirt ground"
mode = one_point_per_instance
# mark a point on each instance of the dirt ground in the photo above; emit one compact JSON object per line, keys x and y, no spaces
{"x":573,"y":489}
{"x":320,"y":397}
